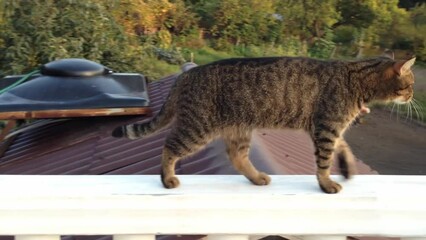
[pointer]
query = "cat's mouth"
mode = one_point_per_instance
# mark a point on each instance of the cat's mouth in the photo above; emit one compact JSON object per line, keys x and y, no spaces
{"x":402,"y":100}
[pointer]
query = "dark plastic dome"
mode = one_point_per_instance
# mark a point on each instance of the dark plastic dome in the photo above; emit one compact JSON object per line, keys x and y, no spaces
{"x":73,"y":67}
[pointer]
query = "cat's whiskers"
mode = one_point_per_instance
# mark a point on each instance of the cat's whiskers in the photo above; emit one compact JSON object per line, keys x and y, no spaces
{"x":418,"y":104}
{"x":406,"y":106}
{"x":406,"y":111}
{"x":415,"y":109}
{"x":418,"y":108}
{"x":393,"y":106}
{"x":408,"y":115}
{"x":397,"y":112}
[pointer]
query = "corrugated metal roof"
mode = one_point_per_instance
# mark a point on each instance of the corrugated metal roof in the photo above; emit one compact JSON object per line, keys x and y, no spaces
{"x":84,"y":146}
{"x":49,"y":148}
{"x":292,"y":152}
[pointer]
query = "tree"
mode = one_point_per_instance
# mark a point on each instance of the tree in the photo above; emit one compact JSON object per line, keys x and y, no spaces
{"x":36,"y":32}
{"x":388,"y":17}
{"x":308,"y":19}
{"x":181,"y":19}
{"x":418,"y":38}
{"x":357,"y":14}
{"x":409,"y":4}
{"x":237,"y":21}
{"x":139,"y":17}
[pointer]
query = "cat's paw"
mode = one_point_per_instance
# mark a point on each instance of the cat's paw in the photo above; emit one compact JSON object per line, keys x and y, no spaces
{"x":347,"y":166}
{"x":118,"y":132}
{"x":330,"y":187}
{"x":261,"y":179}
{"x":170,"y":182}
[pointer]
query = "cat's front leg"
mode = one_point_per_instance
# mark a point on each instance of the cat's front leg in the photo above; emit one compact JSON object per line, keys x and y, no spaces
{"x":325,"y":139}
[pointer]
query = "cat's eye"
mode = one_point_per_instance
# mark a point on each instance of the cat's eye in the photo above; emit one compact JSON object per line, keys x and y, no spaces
{"x":404,"y":88}
{"x":401,"y":91}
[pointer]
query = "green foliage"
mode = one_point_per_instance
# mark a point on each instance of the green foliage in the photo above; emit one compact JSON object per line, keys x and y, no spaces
{"x":154,"y":69}
{"x":358,"y":14}
{"x":40,"y":31}
{"x":387,"y":18}
{"x":206,"y":55}
{"x":171,"y":55}
{"x":345,"y":35}
{"x":289,"y":47}
{"x":308,"y":19}
{"x":193,"y":39}
{"x":418,"y":18}
{"x":155,"y":36}
{"x":181,"y":19}
{"x":321,"y":48}
{"x":238,"y":21}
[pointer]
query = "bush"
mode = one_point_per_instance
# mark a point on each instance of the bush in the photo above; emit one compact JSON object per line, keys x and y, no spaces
{"x":292,"y":46}
{"x":192,"y":40}
{"x":345,"y":35}
{"x":171,"y":56}
{"x":321,"y":48}
{"x":155,"y":69}
{"x":208,"y":55}
{"x":35,"y":32}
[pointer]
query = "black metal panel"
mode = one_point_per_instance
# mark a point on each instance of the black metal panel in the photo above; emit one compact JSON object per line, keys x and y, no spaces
{"x":80,"y":88}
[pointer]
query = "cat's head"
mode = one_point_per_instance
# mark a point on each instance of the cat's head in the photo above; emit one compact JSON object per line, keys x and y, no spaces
{"x":398,"y":82}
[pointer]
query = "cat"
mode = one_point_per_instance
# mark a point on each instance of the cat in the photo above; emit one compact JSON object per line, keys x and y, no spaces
{"x":231,"y":98}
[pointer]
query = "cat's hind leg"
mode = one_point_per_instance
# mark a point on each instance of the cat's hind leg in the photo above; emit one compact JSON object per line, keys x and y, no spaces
{"x":180,"y":143}
{"x":345,"y":159}
{"x":237,"y":146}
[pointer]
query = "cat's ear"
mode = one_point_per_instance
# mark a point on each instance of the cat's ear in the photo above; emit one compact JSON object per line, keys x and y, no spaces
{"x":389,"y":54}
{"x":403,"y":67}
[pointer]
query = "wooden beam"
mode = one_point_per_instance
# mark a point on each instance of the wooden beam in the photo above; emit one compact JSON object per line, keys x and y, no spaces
{"x":66,"y":113}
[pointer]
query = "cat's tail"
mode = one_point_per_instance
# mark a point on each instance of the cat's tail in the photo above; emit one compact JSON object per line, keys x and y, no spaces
{"x":161,"y":120}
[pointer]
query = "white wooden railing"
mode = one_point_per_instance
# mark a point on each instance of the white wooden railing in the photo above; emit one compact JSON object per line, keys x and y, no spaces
{"x":221,"y":207}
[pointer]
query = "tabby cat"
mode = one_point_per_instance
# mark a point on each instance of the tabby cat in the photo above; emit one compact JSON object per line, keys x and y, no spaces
{"x":231,"y":98}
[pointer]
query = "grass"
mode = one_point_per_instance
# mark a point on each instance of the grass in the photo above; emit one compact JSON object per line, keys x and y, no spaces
{"x":156,"y":69}
{"x":207,"y":55}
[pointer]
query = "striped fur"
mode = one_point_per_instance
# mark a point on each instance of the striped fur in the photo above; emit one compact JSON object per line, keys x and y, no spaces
{"x":231,"y":98}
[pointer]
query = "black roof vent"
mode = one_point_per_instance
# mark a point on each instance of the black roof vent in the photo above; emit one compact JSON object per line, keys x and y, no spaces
{"x":74,"y":87}
{"x":74,"y":67}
